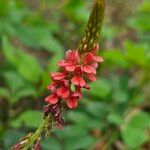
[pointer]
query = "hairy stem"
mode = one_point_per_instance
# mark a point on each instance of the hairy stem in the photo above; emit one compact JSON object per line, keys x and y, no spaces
{"x":93,"y":28}
{"x":37,"y":133}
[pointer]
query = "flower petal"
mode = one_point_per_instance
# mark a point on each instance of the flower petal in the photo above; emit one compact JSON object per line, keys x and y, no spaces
{"x":70,"y":67}
{"x":98,"y":59}
{"x":66,"y":94}
{"x":77,"y":80}
{"x":89,"y":69}
{"x":72,"y":103}
{"x":58,"y":75}
{"x":87,"y":58}
{"x":91,"y":77}
{"x":63,"y":92}
{"x":51,"y":87}
{"x":52,"y":99}
{"x":94,"y":65}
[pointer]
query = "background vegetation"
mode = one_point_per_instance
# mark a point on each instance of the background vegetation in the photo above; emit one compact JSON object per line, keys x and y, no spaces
{"x":34,"y":35}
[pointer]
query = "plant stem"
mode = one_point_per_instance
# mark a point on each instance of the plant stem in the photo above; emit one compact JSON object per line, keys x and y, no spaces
{"x":37,"y":133}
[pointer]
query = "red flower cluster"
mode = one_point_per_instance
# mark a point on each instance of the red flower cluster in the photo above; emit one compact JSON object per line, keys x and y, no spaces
{"x":75,"y":71}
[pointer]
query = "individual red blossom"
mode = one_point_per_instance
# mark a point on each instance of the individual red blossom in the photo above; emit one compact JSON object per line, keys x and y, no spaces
{"x":58,"y":75}
{"x":52,"y":99}
{"x":52,"y":87}
{"x":77,"y":80}
{"x":89,"y":69}
{"x":91,"y":77}
{"x":63,"y":92}
{"x":71,"y":61}
{"x":72,"y":102}
{"x":75,"y":72}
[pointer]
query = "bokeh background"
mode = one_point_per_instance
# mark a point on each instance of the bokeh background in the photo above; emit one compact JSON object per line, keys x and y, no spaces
{"x":115,"y":113}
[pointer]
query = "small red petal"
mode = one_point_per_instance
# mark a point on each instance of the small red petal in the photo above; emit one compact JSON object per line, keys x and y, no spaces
{"x":70,"y":67}
{"x":60,"y":91}
{"x":94,"y":65}
{"x":98,"y":59}
{"x":72,"y":103}
{"x":63,"y":92}
{"x":87,"y":58}
{"x":91,"y":77}
{"x":61,"y":63}
{"x":87,"y":87}
{"x":89,"y":69}
{"x":52,"y":99}
{"x":77,"y":80}
{"x":58,"y":75}
{"x":51,"y":87}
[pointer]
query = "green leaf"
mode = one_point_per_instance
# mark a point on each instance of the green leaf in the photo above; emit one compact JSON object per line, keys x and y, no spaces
{"x":9,"y":51}
{"x":97,"y":109}
{"x":71,"y":131}
{"x":140,"y":120}
{"x":18,"y":86}
{"x":75,"y":137}
{"x":115,"y":118}
{"x":100,"y":88}
{"x":136,"y":53}
{"x":4,"y":93}
{"x":51,"y":144}
{"x":120,"y":96}
{"x":134,"y":137}
{"x":80,"y":142}
{"x":30,"y":118}
{"x":11,"y":137}
{"x":29,"y":67}
{"x":135,"y":130}
{"x":114,"y":57}
{"x":78,"y":117}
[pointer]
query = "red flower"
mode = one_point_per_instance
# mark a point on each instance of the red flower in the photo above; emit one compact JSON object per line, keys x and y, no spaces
{"x":52,"y":99}
{"x":74,"y":71}
{"x":52,"y":87}
{"x":63,"y":92}
{"x":58,"y":75}
{"x":71,"y":60}
{"x":89,"y":69}
{"x":72,"y":101}
{"x":77,"y":80}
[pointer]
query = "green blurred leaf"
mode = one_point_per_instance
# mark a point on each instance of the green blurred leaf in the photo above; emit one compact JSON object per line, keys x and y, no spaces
{"x":115,"y":118}
{"x":120,"y":96}
{"x":81,"y":142}
{"x":134,"y":137}
{"x":18,"y":86}
{"x":51,"y":144}
{"x":9,"y":51}
{"x":137,"y":53}
{"x":140,"y":120}
{"x":102,"y":86}
{"x":135,"y":130}
{"x":31,"y":118}
{"x":11,"y":137}
{"x":114,"y":57}
{"x":29,"y":67}
{"x":78,"y":117}
{"x":4,"y":93}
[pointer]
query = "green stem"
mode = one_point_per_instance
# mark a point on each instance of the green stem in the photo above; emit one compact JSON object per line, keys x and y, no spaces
{"x":37,"y":133}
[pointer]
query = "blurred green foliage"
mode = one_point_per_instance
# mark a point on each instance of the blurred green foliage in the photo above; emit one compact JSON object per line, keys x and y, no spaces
{"x":34,"y":35}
